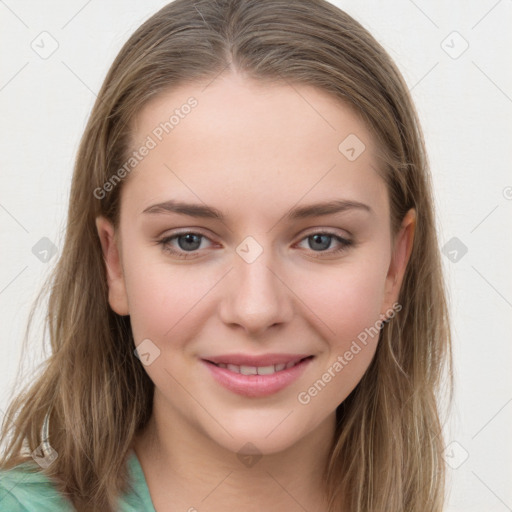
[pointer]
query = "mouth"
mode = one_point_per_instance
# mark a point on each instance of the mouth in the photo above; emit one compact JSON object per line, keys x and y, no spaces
{"x":259,"y":370}
{"x":257,"y":380}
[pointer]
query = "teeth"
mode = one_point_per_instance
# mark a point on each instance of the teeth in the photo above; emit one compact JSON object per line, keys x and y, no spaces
{"x":248,"y":370}
{"x":257,"y":370}
{"x":266,"y":370}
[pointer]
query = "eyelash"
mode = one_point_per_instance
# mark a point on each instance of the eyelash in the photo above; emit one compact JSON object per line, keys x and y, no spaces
{"x":164,"y":242}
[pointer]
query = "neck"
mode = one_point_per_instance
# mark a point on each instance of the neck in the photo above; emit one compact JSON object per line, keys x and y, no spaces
{"x":187,"y":470}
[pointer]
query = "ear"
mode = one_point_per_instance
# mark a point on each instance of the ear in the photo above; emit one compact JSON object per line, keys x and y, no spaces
{"x":117,"y":297}
{"x":401,"y":252}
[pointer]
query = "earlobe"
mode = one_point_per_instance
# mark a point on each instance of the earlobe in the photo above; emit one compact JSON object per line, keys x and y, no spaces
{"x":117,"y":296}
{"x":401,"y":253}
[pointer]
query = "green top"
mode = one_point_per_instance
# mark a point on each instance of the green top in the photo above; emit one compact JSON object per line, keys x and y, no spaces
{"x":23,"y":491}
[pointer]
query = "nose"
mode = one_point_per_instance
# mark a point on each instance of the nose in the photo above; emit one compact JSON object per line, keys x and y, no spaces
{"x":256,"y":296}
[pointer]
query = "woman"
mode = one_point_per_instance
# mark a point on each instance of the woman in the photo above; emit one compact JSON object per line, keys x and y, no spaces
{"x":249,"y":309}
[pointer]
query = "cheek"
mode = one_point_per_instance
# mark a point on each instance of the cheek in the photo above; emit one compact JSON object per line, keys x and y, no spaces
{"x":347,"y":303}
{"x":347,"y":298}
{"x":164,"y":299}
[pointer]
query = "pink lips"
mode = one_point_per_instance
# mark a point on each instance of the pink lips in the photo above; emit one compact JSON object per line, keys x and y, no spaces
{"x":257,"y":385}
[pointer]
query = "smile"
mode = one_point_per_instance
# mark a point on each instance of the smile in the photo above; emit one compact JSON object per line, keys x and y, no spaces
{"x":257,"y":370}
{"x":257,"y":381}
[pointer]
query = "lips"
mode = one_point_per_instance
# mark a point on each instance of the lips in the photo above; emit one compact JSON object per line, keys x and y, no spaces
{"x":260,"y":376}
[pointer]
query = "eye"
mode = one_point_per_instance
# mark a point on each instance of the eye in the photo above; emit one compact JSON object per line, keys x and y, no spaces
{"x":188,"y":242}
{"x":321,"y":242}
{"x":185,"y":245}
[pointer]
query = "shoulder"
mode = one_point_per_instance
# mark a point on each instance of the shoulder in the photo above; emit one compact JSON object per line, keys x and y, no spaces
{"x":25,"y":489}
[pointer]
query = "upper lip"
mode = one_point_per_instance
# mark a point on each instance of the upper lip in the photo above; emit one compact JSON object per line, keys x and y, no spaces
{"x":253,"y":360}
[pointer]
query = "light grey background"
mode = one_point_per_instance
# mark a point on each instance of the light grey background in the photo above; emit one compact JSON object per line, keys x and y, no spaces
{"x":464,"y":98}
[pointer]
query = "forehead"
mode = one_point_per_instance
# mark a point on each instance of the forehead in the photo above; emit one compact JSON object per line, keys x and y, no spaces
{"x":239,"y":142}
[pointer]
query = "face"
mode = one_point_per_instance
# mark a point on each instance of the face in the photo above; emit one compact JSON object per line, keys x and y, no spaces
{"x":252,"y":268}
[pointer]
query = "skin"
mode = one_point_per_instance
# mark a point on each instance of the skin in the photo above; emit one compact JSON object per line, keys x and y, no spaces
{"x":253,"y":151}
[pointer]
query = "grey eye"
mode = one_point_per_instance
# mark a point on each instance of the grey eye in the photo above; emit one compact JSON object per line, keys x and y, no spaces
{"x":189,"y":241}
{"x":320,"y":242}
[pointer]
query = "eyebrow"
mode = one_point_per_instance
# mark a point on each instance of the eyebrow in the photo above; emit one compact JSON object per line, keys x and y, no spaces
{"x":301,"y":212}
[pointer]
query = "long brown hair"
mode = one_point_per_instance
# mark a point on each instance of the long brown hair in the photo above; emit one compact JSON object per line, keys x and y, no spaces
{"x":388,"y":449}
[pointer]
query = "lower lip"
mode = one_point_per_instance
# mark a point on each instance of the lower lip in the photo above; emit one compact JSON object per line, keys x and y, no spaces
{"x":257,"y":385}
